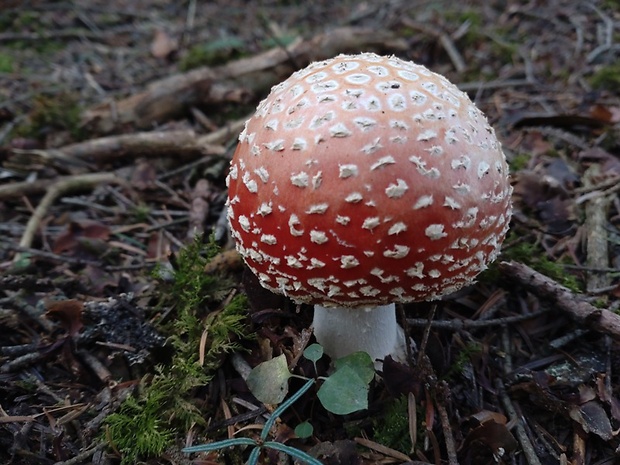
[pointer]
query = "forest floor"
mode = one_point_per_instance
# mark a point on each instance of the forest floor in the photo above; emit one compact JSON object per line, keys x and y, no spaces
{"x":127,"y":322}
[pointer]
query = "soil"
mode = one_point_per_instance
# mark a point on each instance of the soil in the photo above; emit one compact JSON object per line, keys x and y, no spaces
{"x":127,"y":320}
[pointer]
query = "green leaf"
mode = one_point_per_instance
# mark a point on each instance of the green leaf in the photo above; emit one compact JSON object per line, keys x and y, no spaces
{"x":268,"y":381}
{"x":313,"y":352}
{"x":304,"y":430}
{"x":360,"y":362}
{"x":344,"y":392}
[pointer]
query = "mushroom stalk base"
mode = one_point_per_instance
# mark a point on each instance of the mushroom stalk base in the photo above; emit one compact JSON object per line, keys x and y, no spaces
{"x":342,"y":331}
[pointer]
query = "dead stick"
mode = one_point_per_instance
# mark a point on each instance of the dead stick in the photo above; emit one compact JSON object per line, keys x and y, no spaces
{"x":524,"y":439}
{"x":572,"y":304}
{"x":445,"y":40}
{"x":182,"y":144}
{"x":458,"y":325}
{"x":174,"y":95}
{"x":596,"y":236}
{"x":442,"y":398}
{"x":83,"y":181}
{"x":25,"y":188}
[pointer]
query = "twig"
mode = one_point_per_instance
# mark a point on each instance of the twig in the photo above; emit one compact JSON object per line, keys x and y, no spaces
{"x":48,"y":255}
{"x":95,"y":365}
{"x":49,"y":35}
{"x":31,"y":311}
{"x":607,"y":183}
{"x":524,"y":440}
{"x":443,"y":391}
{"x":234,"y":81}
{"x":85,"y":454}
{"x":426,"y":333}
{"x":17,"y":189}
{"x":382,"y":449}
{"x":232,"y":129}
{"x":445,"y":40}
{"x":607,"y":44}
{"x":572,"y":304}
{"x":84,"y":181}
{"x":458,"y":325}
{"x":491,"y":85}
{"x":595,"y":195}
{"x":597,"y":242}
{"x":182,"y":143}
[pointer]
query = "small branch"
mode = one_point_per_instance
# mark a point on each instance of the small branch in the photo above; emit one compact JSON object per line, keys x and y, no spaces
{"x":597,"y":241}
{"x":443,"y":394}
{"x":83,"y":456}
{"x":84,"y":181}
{"x":445,"y":40}
{"x":382,"y":449}
{"x":427,"y":331}
{"x":572,"y":304}
{"x":48,"y":255}
{"x":458,"y":325}
{"x":234,"y":81}
{"x":182,"y":144}
{"x":17,"y":189}
{"x":524,"y":439}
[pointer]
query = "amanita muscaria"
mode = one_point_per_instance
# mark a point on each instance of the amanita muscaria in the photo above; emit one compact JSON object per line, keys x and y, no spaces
{"x":363,"y":181}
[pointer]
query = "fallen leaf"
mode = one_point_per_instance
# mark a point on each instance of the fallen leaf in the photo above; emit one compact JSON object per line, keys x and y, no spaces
{"x":344,"y":392}
{"x":69,"y":239}
{"x":342,"y":452}
{"x":489,"y":431}
{"x":593,"y":419}
{"x":144,"y":175}
{"x":163,"y":45}
{"x":545,"y":190}
{"x":68,"y":313}
{"x":268,"y":381}
{"x":608,"y":115}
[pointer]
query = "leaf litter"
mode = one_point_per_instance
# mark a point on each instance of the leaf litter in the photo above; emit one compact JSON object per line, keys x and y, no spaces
{"x":86,"y":314}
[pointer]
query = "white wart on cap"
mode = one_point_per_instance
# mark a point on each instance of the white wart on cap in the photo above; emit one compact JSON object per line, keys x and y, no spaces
{"x":364,"y":180}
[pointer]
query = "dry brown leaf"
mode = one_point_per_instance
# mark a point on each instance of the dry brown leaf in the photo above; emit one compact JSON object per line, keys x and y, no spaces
{"x":68,"y":313}
{"x":592,"y":417}
{"x":69,"y":239}
{"x":163,"y":45}
{"x":490,"y":431}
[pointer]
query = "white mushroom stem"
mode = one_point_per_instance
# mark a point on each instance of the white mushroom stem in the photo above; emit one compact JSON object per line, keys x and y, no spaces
{"x":374,"y":330}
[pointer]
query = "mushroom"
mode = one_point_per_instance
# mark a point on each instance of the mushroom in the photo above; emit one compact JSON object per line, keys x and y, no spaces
{"x":363,"y":181}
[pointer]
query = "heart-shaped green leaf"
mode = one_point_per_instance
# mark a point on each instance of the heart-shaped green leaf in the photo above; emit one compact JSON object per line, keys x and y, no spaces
{"x":313,"y":352}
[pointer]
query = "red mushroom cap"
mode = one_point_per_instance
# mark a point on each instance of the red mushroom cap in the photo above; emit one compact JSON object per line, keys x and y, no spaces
{"x":364,"y":180}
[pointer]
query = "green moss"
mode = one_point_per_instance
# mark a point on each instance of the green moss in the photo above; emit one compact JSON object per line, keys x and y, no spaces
{"x":57,"y":112}
{"x":138,"y":429}
{"x":146,"y":424}
{"x":212,"y":53}
{"x":140,"y":213}
{"x":606,"y":77}
{"x":27,"y":20}
{"x":532,"y":254}
{"x":463,"y":358}
{"x":6,"y":63}
{"x":519,"y":162}
{"x":282,"y":41}
{"x":392,"y":429}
